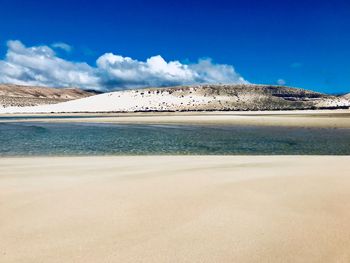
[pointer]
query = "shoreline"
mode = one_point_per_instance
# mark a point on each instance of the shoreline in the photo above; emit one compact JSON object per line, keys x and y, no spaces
{"x":175,"y":208}
{"x":312,"y":119}
{"x":308,"y":118}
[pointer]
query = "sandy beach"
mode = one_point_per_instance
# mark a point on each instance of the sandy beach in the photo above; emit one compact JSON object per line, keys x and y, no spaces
{"x":175,"y":209}
{"x":305,"y":118}
{"x":174,"y":131}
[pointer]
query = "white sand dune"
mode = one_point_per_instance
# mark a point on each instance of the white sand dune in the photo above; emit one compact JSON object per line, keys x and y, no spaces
{"x":175,"y":209}
{"x":194,"y":98}
{"x":121,"y":101}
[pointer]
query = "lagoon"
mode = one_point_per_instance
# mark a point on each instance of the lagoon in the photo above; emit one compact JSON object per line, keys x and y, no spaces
{"x":62,"y":139}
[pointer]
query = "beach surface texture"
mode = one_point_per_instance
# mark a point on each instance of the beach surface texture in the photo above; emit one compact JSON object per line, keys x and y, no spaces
{"x":297,"y":118}
{"x":175,"y":209}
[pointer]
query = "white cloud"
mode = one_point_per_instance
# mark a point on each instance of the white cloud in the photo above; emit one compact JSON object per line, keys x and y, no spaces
{"x":127,"y":72}
{"x":39,"y":65}
{"x":206,"y":71}
{"x":62,"y":46}
{"x":281,"y":82}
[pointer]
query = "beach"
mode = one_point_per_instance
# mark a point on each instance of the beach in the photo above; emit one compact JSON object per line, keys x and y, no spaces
{"x":174,"y":131}
{"x":297,"y":118}
{"x":175,"y":209}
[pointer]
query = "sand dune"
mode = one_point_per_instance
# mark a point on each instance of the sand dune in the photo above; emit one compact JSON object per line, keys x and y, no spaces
{"x":175,"y":209}
{"x":195,"y":98}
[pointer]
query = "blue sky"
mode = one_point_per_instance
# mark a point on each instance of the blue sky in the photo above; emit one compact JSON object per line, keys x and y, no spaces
{"x":301,"y":43}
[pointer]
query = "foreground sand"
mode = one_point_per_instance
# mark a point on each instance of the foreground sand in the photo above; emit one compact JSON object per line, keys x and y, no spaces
{"x":307,"y":118}
{"x":175,"y":209}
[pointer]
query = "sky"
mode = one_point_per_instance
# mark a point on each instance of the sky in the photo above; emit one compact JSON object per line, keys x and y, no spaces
{"x":111,"y":45}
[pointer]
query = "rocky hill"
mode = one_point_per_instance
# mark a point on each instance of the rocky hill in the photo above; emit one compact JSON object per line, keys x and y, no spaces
{"x":16,"y":95}
{"x":239,"y":97}
{"x":198,"y":98}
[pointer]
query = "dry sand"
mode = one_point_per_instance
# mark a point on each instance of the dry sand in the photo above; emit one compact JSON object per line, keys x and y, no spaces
{"x":316,"y":118}
{"x":175,"y":209}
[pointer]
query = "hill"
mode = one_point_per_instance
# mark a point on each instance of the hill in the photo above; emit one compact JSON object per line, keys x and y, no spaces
{"x":198,"y":98}
{"x":346,"y":96}
{"x":16,"y":95}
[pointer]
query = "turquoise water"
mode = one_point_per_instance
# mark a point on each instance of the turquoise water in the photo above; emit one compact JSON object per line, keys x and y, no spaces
{"x":34,"y":138}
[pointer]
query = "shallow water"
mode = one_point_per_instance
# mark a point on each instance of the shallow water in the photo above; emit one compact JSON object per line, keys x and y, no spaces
{"x":34,"y":138}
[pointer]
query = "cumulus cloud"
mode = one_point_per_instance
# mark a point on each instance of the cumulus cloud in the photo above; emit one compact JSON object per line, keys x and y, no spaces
{"x":62,"y":46}
{"x":40,"y":65}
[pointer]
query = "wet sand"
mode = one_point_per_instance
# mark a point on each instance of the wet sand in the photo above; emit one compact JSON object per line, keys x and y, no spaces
{"x":307,"y":118}
{"x":175,"y":209}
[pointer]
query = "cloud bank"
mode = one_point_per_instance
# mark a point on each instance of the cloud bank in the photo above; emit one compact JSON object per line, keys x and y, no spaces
{"x":40,"y":65}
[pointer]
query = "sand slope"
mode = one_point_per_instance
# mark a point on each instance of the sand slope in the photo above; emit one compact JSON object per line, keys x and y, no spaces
{"x":175,"y":209}
{"x":195,"y":98}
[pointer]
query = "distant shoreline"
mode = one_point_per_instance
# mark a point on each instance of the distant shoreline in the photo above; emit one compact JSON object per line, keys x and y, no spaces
{"x":295,"y":118}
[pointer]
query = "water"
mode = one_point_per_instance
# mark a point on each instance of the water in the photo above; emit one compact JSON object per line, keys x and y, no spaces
{"x":34,"y":139}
